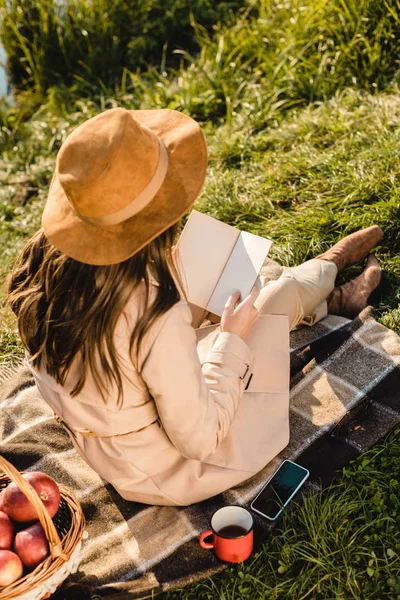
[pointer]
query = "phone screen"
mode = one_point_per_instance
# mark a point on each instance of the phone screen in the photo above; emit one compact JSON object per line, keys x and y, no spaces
{"x":279,"y":489}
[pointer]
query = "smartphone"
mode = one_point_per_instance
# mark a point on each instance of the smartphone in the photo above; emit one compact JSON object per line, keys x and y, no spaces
{"x":279,"y":490}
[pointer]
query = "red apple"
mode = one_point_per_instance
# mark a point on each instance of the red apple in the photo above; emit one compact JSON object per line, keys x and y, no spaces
{"x":6,"y":532}
{"x":11,"y":567}
{"x":31,"y":545}
{"x":17,"y":506}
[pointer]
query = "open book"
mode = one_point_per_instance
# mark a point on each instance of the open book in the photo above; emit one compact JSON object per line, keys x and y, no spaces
{"x":215,"y":259}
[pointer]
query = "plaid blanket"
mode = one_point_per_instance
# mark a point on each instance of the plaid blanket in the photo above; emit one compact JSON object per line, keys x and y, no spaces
{"x":345,"y":379}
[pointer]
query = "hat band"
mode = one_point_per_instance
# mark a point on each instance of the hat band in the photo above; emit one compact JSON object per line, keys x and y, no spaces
{"x":141,"y":200}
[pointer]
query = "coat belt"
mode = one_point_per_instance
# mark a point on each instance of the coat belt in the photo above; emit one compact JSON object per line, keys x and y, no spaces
{"x":145,"y":415}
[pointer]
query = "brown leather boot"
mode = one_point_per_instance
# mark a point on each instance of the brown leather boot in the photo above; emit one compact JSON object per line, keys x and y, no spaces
{"x":348,"y":300}
{"x":353,"y":247}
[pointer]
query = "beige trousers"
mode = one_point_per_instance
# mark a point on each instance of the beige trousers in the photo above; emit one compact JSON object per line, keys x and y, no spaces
{"x":300,"y":292}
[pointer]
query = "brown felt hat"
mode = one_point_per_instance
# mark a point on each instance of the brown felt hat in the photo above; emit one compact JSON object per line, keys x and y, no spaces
{"x":122,"y":178}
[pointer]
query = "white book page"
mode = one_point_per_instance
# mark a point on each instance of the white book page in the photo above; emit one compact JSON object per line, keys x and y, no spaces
{"x":204,"y":247}
{"x":241,"y":271}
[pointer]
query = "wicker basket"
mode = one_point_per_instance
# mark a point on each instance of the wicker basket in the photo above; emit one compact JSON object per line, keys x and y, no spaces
{"x":64,"y":533}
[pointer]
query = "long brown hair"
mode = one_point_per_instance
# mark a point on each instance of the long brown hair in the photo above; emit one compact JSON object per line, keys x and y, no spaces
{"x":65,"y":307}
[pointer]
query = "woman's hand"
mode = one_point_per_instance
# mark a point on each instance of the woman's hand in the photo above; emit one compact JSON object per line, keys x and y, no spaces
{"x":240,"y":320}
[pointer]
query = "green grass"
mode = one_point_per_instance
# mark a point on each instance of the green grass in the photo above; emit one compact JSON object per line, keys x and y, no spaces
{"x":300,"y":106}
{"x":91,"y":43}
{"x":252,"y":53}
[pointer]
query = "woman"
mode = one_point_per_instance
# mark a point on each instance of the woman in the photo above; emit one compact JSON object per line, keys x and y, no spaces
{"x":103,"y":314}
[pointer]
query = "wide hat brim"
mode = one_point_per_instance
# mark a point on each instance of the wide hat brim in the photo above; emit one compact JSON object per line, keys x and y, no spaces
{"x":112,"y":244}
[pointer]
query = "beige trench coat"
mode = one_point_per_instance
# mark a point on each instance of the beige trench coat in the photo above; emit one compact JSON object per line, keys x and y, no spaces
{"x":187,"y":429}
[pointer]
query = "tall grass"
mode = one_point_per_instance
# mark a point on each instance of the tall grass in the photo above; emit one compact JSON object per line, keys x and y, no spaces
{"x":295,"y":52}
{"x":274,"y":52}
{"x":323,"y":45}
{"x":49,"y":42}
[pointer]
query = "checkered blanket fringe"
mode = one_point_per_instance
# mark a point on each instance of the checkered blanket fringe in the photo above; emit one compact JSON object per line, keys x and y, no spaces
{"x":345,"y":379}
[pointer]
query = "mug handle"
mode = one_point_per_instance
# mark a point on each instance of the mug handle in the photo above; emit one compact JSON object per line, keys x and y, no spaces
{"x":204,"y":544}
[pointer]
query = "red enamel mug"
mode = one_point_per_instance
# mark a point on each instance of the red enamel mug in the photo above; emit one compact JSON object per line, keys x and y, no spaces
{"x":232,"y":534}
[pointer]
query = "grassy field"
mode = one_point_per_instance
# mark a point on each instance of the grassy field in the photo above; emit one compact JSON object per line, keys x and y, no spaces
{"x":300,"y":105}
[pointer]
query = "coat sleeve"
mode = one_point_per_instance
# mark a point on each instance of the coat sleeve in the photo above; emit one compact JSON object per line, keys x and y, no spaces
{"x":196,"y":402}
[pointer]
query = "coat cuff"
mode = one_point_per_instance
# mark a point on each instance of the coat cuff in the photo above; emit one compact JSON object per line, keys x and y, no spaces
{"x":241,"y":357}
